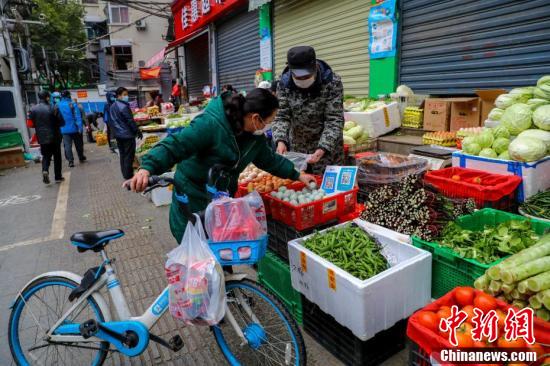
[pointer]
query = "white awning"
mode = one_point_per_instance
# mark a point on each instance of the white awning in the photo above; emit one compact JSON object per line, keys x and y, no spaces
{"x":120,"y":42}
{"x":94,"y":19}
{"x":255,"y":4}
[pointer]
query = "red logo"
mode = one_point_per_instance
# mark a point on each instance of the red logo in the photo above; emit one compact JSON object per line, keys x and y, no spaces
{"x":485,"y":325}
{"x":519,"y":324}
{"x":452,"y":323}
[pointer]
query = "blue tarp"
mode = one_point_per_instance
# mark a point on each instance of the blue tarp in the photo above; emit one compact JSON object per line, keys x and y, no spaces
{"x":90,"y":107}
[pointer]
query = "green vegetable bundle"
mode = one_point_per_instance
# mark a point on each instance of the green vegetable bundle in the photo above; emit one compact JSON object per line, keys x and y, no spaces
{"x":538,"y":205}
{"x":350,"y":248}
{"x":522,"y":279}
{"x":490,"y":244}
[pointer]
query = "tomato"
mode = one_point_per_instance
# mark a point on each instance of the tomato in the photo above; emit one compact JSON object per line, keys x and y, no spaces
{"x":476,"y":180}
{"x":546,"y":361}
{"x":464,"y":296}
{"x":465,"y":328}
{"x":480,"y":344}
{"x":485,"y":302}
{"x":429,"y":319}
{"x":464,"y":340}
{"x":444,"y":312}
{"x":503,"y":343}
{"x":517,"y":364}
{"x":455,"y":177}
{"x":501,"y":319}
{"x":469,"y":309}
{"x":535,"y":347}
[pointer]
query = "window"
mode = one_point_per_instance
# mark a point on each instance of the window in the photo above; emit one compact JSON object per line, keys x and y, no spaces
{"x":122,"y":57}
{"x":94,"y":30}
{"x":8,"y":105}
{"x":118,"y":14}
{"x":89,"y":1}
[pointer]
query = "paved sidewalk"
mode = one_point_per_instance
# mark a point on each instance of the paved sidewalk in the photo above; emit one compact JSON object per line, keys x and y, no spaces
{"x":96,"y":201}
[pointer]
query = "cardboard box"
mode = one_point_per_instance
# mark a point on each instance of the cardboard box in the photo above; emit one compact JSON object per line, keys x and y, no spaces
{"x":437,"y":113}
{"x":377,"y":122}
{"x":12,"y":157}
{"x":488,"y":101}
{"x":465,"y":112}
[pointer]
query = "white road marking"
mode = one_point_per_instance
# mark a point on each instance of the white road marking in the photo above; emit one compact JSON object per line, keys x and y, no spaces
{"x":59,"y":218}
{"x":18,"y":200}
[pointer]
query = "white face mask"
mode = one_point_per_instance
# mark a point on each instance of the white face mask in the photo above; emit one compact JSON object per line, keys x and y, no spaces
{"x":304,"y":84}
{"x":262,"y":131}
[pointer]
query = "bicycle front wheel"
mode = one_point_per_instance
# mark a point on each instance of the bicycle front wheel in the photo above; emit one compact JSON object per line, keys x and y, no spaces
{"x":40,"y":305}
{"x":272,"y":335}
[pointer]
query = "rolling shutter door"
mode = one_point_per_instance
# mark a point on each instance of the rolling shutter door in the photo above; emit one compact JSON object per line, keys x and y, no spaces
{"x":238,"y":50}
{"x":338,"y":30}
{"x":456,"y":46}
{"x":197,"y":69}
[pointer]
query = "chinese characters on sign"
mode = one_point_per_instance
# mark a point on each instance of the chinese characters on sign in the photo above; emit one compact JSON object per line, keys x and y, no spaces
{"x":518,"y":324}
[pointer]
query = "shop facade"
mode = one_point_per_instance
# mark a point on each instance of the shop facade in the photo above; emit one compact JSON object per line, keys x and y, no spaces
{"x":338,"y":30}
{"x":455,"y":47}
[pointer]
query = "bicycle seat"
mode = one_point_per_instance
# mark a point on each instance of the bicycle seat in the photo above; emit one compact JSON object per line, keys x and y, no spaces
{"x":94,"y":240}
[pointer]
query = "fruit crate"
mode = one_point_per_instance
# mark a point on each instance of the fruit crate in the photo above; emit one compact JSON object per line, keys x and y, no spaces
{"x":417,"y":356}
{"x":349,"y":349}
{"x":280,"y":234}
{"x":449,"y":270}
{"x":274,"y":274}
{"x":367,"y":145}
{"x":313,"y":214}
{"x":488,"y":190}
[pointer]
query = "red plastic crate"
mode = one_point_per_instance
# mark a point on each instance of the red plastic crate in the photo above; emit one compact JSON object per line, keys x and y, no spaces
{"x":486,"y":189}
{"x":309,"y":215}
{"x":359,"y":208}
{"x":430,"y":341}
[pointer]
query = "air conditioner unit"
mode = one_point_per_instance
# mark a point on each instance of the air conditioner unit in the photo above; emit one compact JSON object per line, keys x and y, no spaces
{"x":141,"y":24}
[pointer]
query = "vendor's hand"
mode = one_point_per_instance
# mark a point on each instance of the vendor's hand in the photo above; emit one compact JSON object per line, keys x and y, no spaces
{"x":139,"y":135}
{"x":139,"y":182}
{"x":316,"y":156}
{"x":306,"y":178}
{"x":281,"y":148}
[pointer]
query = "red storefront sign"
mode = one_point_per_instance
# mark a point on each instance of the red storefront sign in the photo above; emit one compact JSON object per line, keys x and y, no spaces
{"x":191,"y":16}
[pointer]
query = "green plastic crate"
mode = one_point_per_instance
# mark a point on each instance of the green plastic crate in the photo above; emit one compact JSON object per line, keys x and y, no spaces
{"x":449,"y":270}
{"x":10,"y":139}
{"x":274,"y":274}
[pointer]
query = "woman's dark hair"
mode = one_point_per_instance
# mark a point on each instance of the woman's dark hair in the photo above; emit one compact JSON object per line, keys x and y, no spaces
{"x":228,"y":87}
{"x":120,"y":90}
{"x":258,"y":100}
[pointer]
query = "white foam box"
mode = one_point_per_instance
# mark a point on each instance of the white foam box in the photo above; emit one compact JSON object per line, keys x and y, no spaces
{"x":535,"y":175}
{"x":162,"y":196}
{"x":379,"y":121}
{"x":370,"y":306}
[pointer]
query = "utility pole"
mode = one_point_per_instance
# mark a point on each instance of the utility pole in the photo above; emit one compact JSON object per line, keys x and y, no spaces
{"x":18,"y":100}
{"x":46,"y":63}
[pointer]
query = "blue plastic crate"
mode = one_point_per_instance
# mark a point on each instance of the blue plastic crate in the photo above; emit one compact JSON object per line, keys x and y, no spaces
{"x":257,"y":251}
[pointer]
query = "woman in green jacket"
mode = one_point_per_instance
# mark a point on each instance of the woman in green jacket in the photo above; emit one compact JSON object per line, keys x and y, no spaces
{"x":230,"y":132}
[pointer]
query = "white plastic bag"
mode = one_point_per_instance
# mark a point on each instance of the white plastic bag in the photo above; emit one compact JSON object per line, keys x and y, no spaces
{"x":195,"y":278}
{"x":298,"y":159}
{"x":232,"y":219}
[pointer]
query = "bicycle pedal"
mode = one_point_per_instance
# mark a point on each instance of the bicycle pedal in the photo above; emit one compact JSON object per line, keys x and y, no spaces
{"x":176,"y":343}
{"x":89,"y":328}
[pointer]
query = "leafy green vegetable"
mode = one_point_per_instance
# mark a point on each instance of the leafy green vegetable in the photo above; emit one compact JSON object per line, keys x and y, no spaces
{"x":488,"y":153}
{"x":517,"y":118}
{"x":500,"y":131}
{"x":495,"y":114}
{"x":541,"y":117}
{"x":527,"y":149}
{"x":491,"y":243}
{"x":501,"y":145}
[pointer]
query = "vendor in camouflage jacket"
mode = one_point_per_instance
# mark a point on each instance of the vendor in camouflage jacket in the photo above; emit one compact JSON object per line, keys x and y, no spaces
{"x":311,"y":113}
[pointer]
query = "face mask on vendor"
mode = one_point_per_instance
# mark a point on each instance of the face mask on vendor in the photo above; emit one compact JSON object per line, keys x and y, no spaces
{"x":304,"y":83}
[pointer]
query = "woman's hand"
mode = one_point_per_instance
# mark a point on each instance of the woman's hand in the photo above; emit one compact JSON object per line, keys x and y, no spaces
{"x":281,"y":148}
{"x":316,"y":156}
{"x":139,"y":182}
{"x":307,"y":178}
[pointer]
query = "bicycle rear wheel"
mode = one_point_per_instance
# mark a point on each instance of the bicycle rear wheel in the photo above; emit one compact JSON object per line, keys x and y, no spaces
{"x":40,"y":305}
{"x":273,"y":337}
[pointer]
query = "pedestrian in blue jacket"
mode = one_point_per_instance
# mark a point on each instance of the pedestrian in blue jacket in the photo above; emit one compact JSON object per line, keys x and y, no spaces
{"x":72,"y":130}
{"x":125,"y":131}
{"x":111,"y":99}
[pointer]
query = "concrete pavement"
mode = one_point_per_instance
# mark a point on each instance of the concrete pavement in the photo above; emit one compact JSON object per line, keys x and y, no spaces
{"x":33,"y":217}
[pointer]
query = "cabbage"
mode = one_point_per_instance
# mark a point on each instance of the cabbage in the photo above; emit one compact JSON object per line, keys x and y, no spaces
{"x":349,"y":125}
{"x":503,"y":101}
{"x":522,"y":95}
{"x":495,"y":114}
{"x":542,"y":92}
{"x":527,"y":149}
{"x":484,"y":139}
{"x":500,"y":131}
{"x":537,"y":102}
{"x":501,"y":145}
{"x":541,"y":117}
{"x":517,"y":118}
{"x":404,"y":90}
{"x":505,"y":156}
{"x":544,"y":136}
{"x":545,"y":80}
{"x":488,"y":153}
{"x":470,"y":146}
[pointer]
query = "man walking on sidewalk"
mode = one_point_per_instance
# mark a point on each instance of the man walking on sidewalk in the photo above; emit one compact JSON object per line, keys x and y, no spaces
{"x":48,"y":132}
{"x":72,"y":130}
{"x":125,"y":131}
